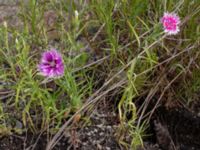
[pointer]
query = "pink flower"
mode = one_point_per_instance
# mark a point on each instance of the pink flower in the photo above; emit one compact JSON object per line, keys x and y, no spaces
{"x":51,"y":64}
{"x":170,"y":22}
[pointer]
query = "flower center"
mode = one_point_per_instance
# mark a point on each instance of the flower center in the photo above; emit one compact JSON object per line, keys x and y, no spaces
{"x":52,"y":63}
{"x":170,"y":24}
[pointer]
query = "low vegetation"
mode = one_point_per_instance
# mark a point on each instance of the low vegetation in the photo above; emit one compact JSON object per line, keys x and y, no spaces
{"x":114,"y":50}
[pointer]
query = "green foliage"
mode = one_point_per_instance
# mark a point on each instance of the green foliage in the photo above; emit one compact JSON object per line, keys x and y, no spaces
{"x":190,"y":88}
{"x":96,"y":38}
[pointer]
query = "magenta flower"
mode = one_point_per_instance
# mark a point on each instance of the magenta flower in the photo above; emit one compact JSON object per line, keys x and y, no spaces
{"x":170,"y":23}
{"x":51,"y":64}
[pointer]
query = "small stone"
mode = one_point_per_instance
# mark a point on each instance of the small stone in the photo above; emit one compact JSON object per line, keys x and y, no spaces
{"x":99,"y":125}
{"x":99,"y":146}
{"x":89,"y":133}
{"x":108,"y":148}
{"x":109,"y":127}
{"x":101,"y":133}
{"x":95,"y":130}
{"x":18,"y":124}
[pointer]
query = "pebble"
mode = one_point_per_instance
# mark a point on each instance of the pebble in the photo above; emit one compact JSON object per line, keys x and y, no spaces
{"x":109,"y":127}
{"x":18,"y":124}
{"x":99,"y":146}
{"x":89,"y":133}
{"x":95,"y":130}
{"x":84,"y":143}
{"x":101,"y":133}
{"x":108,"y":148}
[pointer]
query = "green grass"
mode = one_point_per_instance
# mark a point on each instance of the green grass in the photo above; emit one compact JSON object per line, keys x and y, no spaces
{"x":121,"y":39}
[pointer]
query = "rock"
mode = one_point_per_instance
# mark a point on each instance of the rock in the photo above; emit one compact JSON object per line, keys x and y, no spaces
{"x":18,"y":124}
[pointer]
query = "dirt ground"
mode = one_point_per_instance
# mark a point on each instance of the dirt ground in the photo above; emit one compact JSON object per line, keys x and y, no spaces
{"x":170,"y":129}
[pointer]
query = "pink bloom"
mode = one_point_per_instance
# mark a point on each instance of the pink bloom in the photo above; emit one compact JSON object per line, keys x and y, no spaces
{"x":170,"y":23}
{"x":51,"y":64}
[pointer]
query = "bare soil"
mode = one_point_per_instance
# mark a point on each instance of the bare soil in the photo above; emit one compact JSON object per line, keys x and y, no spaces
{"x":170,"y":129}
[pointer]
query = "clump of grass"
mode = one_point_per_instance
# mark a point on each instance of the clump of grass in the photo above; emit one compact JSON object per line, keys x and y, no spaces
{"x":40,"y":101}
